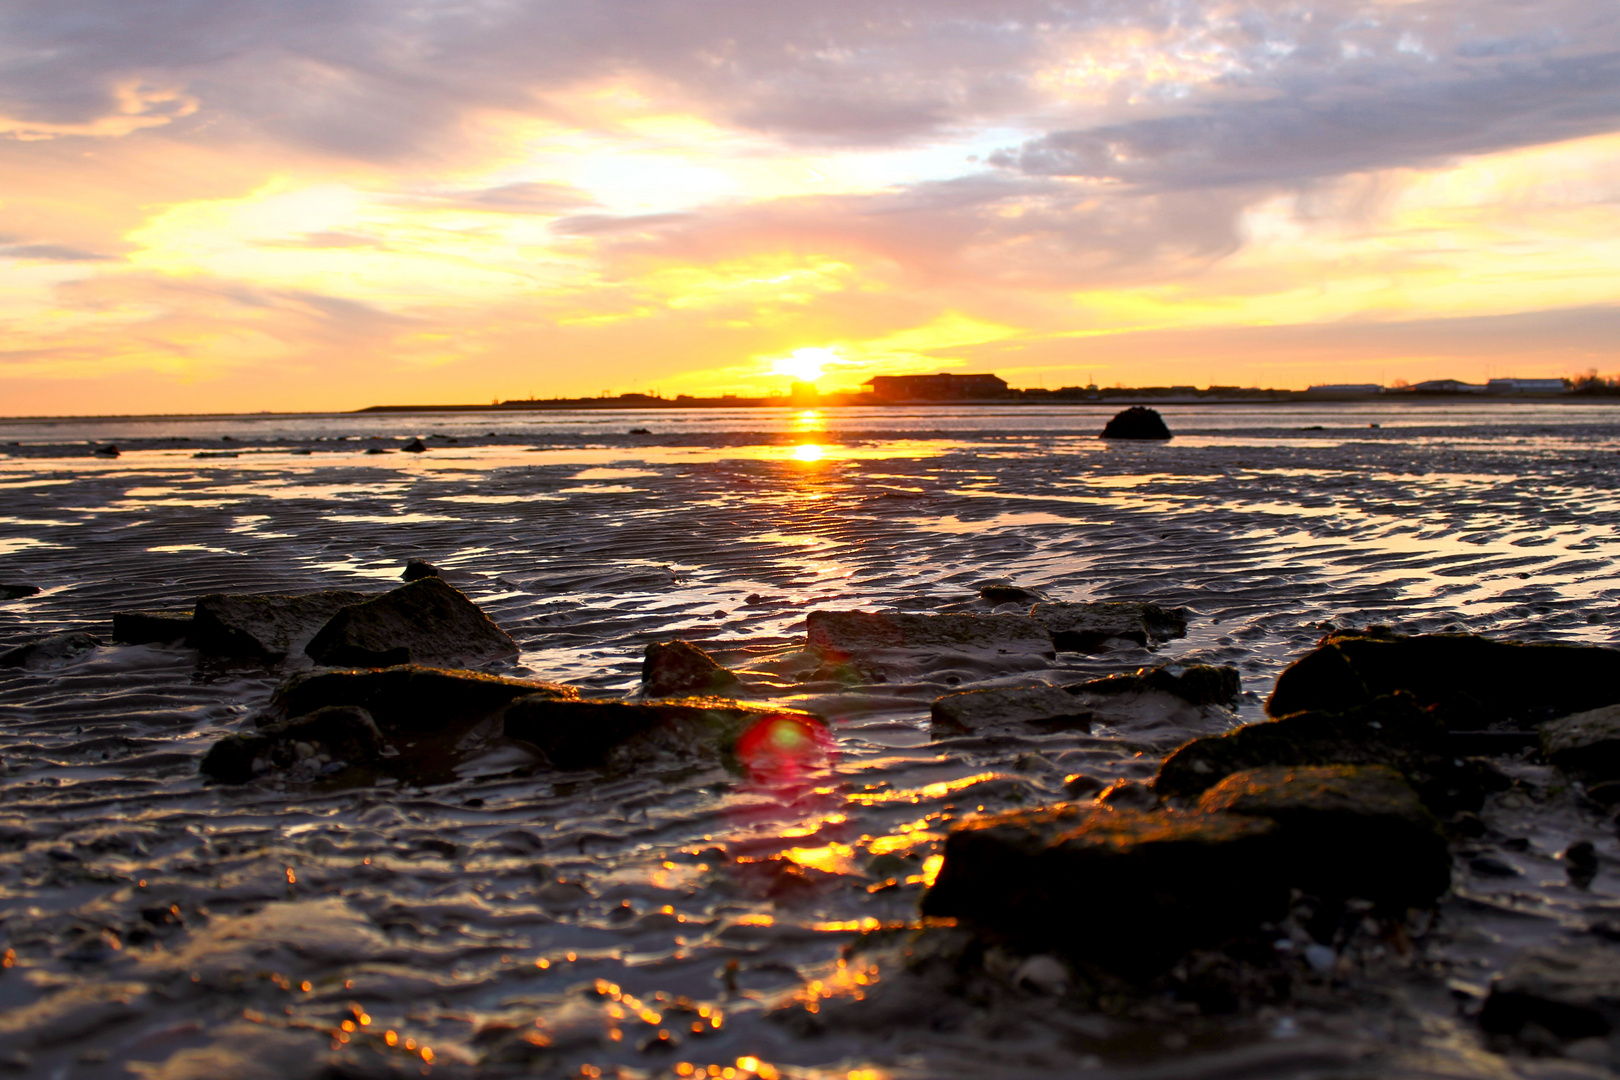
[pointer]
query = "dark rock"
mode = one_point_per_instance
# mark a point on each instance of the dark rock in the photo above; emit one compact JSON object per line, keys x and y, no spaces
{"x":999,"y":592}
{"x":108,"y":451}
{"x":1493,"y":866}
{"x":1606,"y":794}
{"x":640,"y":431}
{"x":1196,"y":684}
{"x":1350,"y":830}
{"x":1391,"y":731}
{"x":1586,"y":744}
{"x":1572,"y":993}
{"x":424,"y":622}
{"x":409,"y":699}
{"x":593,"y":734}
{"x":378,"y":450}
{"x":1128,"y":795}
{"x":415,"y":446}
{"x":1081,"y":786}
{"x":853,"y":632}
{"x":679,"y":669}
{"x":1475,"y":682}
{"x":49,"y":651}
{"x":1088,"y":627}
{"x":1136,"y":422}
{"x":1581,"y":863}
{"x":417,"y":569}
{"x":266,"y":626}
{"x":17,"y":591}
{"x":344,"y":733}
{"x":1041,"y":706}
{"x":157,"y":625}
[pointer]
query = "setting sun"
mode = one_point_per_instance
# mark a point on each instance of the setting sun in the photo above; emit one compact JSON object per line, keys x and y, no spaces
{"x":807,"y":452}
{"x":805,"y":365}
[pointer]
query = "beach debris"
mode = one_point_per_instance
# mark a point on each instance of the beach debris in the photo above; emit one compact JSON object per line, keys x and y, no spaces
{"x":679,"y":668}
{"x":1001,"y":591}
{"x":417,"y":569}
{"x":108,"y":451}
{"x":153,"y":625}
{"x":1391,"y":731}
{"x":853,"y":632}
{"x":266,"y":626}
{"x":17,"y":590}
{"x":1475,"y":682}
{"x":1136,"y":422}
{"x":1557,"y":994}
{"x":408,"y":699}
{"x":1585,"y":744}
{"x":423,"y":622}
{"x":415,"y":446}
{"x":1092,"y":626}
{"x":50,"y":651}
{"x":585,"y":734}
{"x":327,"y":739}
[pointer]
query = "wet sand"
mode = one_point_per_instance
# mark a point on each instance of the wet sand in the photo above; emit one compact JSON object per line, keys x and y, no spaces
{"x":167,"y":928}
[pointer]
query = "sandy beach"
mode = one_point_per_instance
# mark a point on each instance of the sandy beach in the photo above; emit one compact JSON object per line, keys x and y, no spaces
{"x":158,"y":925}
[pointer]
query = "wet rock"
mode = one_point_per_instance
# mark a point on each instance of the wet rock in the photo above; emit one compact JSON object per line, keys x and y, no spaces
{"x":1476,"y":683}
{"x":415,"y":446}
{"x":108,"y":451}
{"x":343,"y":733}
{"x":1128,"y":795}
{"x":1581,"y":863}
{"x":640,"y":431}
{"x":156,"y":625}
{"x":424,"y":622}
{"x":49,"y":651}
{"x":408,"y":699}
{"x":679,"y":668}
{"x":417,"y":569}
{"x":16,"y":591}
{"x":265,"y":626}
{"x":1041,"y":706}
{"x":592,"y":734}
{"x":1586,"y":744}
{"x":1002,"y":592}
{"x":1196,"y":684}
{"x":1493,"y":866}
{"x":1136,"y":422}
{"x":1391,"y":731}
{"x":1089,"y":627}
{"x":1572,"y":993}
{"x":852,"y":632}
{"x":1349,"y":830}
{"x":378,"y":450}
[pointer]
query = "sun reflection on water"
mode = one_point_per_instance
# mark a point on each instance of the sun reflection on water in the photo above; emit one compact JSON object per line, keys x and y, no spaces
{"x":808,"y":452}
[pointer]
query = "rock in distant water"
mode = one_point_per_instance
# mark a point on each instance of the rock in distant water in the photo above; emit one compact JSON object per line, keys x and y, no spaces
{"x":415,"y":446}
{"x":425,"y":622}
{"x":1136,"y":422}
{"x":679,"y":668}
{"x":1196,"y":684}
{"x":1569,"y":993}
{"x":417,"y":569}
{"x":1042,"y":706}
{"x":409,"y":699}
{"x":1088,"y":627}
{"x":265,"y":626}
{"x":157,"y":625}
{"x":1165,"y":694}
{"x":108,"y":451}
{"x":855,"y":632}
{"x":343,"y":734}
{"x":49,"y":651}
{"x":1001,"y":592}
{"x":1585,"y":744}
{"x":17,"y":591}
{"x":1475,"y":682}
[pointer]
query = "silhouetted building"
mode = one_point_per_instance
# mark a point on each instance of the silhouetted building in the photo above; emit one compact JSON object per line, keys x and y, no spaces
{"x":1336,"y":389}
{"x":1526,"y":386}
{"x":941,"y":387}
{"x":1447,"y":386}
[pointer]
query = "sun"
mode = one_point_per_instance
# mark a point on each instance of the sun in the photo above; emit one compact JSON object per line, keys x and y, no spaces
{"x":805,"y":365}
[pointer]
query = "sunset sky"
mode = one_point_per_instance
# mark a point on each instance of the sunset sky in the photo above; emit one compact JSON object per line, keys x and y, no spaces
{"x":324,"y":204}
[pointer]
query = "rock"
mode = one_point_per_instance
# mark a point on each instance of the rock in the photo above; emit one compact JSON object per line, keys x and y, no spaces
{"x":17,"y":591}
{"x":1196,"y":684}
{"x":415,"y":446}
{"x":49,"y":651}
{"x":1349,"y":830}
{"x":592,"y":734}
{"x":1041,"y":706}
{"x":1128,"y":889}
{"x":424,"y":622}
{"x":1586,"y":744}
{"x":1475,"y":682}
{"x":266,"y":626}
{"x":417,"y":569}
{"x":1001,"y":592}
{"x":108,"y":451}
{"x":1088,"y":627}
{"x":344,"y":733}
{"x":1581,"y":863}
{"x":1128,"y":795}
{"x":1572,"y":993}
{"x":640,"y":431}
{"x":377,"y":450}
{"x":853,"y":632}
{"x":679,"y":668}
{"x":1136,"y":422}
{"x":155,"y":625}
{"x":1389,"y":731}
{"x":409,"y":699}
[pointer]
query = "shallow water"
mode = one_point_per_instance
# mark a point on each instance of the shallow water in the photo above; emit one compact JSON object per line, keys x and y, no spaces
{"x":502,"y":892}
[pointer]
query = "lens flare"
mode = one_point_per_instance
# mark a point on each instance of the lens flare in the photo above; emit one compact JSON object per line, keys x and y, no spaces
{"x":783,"y":747}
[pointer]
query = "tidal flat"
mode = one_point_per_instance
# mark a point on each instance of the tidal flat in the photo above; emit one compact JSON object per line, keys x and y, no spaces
{"x":491,"y":915}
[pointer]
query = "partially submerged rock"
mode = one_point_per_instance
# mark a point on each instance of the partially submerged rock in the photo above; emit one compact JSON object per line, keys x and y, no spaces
{"x":417,"y":569}
{"x":1089,"y":627}
{"x":1586,"y":744}
{"x":263,"y":626}
{"x":1570,"y":993}
{"x":424,"y":622}
{"x":1196,"y":684}
{"x":1136,"y":422}
{"x":50,"y":650}
{"x":577,"y":734}
{"x":16,"y":591}
{"x":679,"y":668}
{"x":1042,"y":706}
{"x":328,"y":739}
{"x":1168,"y":694}
{"x":854,"y":632}
{"x":409,"y":699}
{"x":156,"y":625}
{"x":1475,"y":682}
{"x":1002,"y":592}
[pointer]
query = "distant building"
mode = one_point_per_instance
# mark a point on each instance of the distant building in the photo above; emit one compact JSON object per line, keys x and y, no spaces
{"x":1336,"y":389}
{"x":1527,"y":386}
{"x":1447,"y":386}
{"x":941,"y":387}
